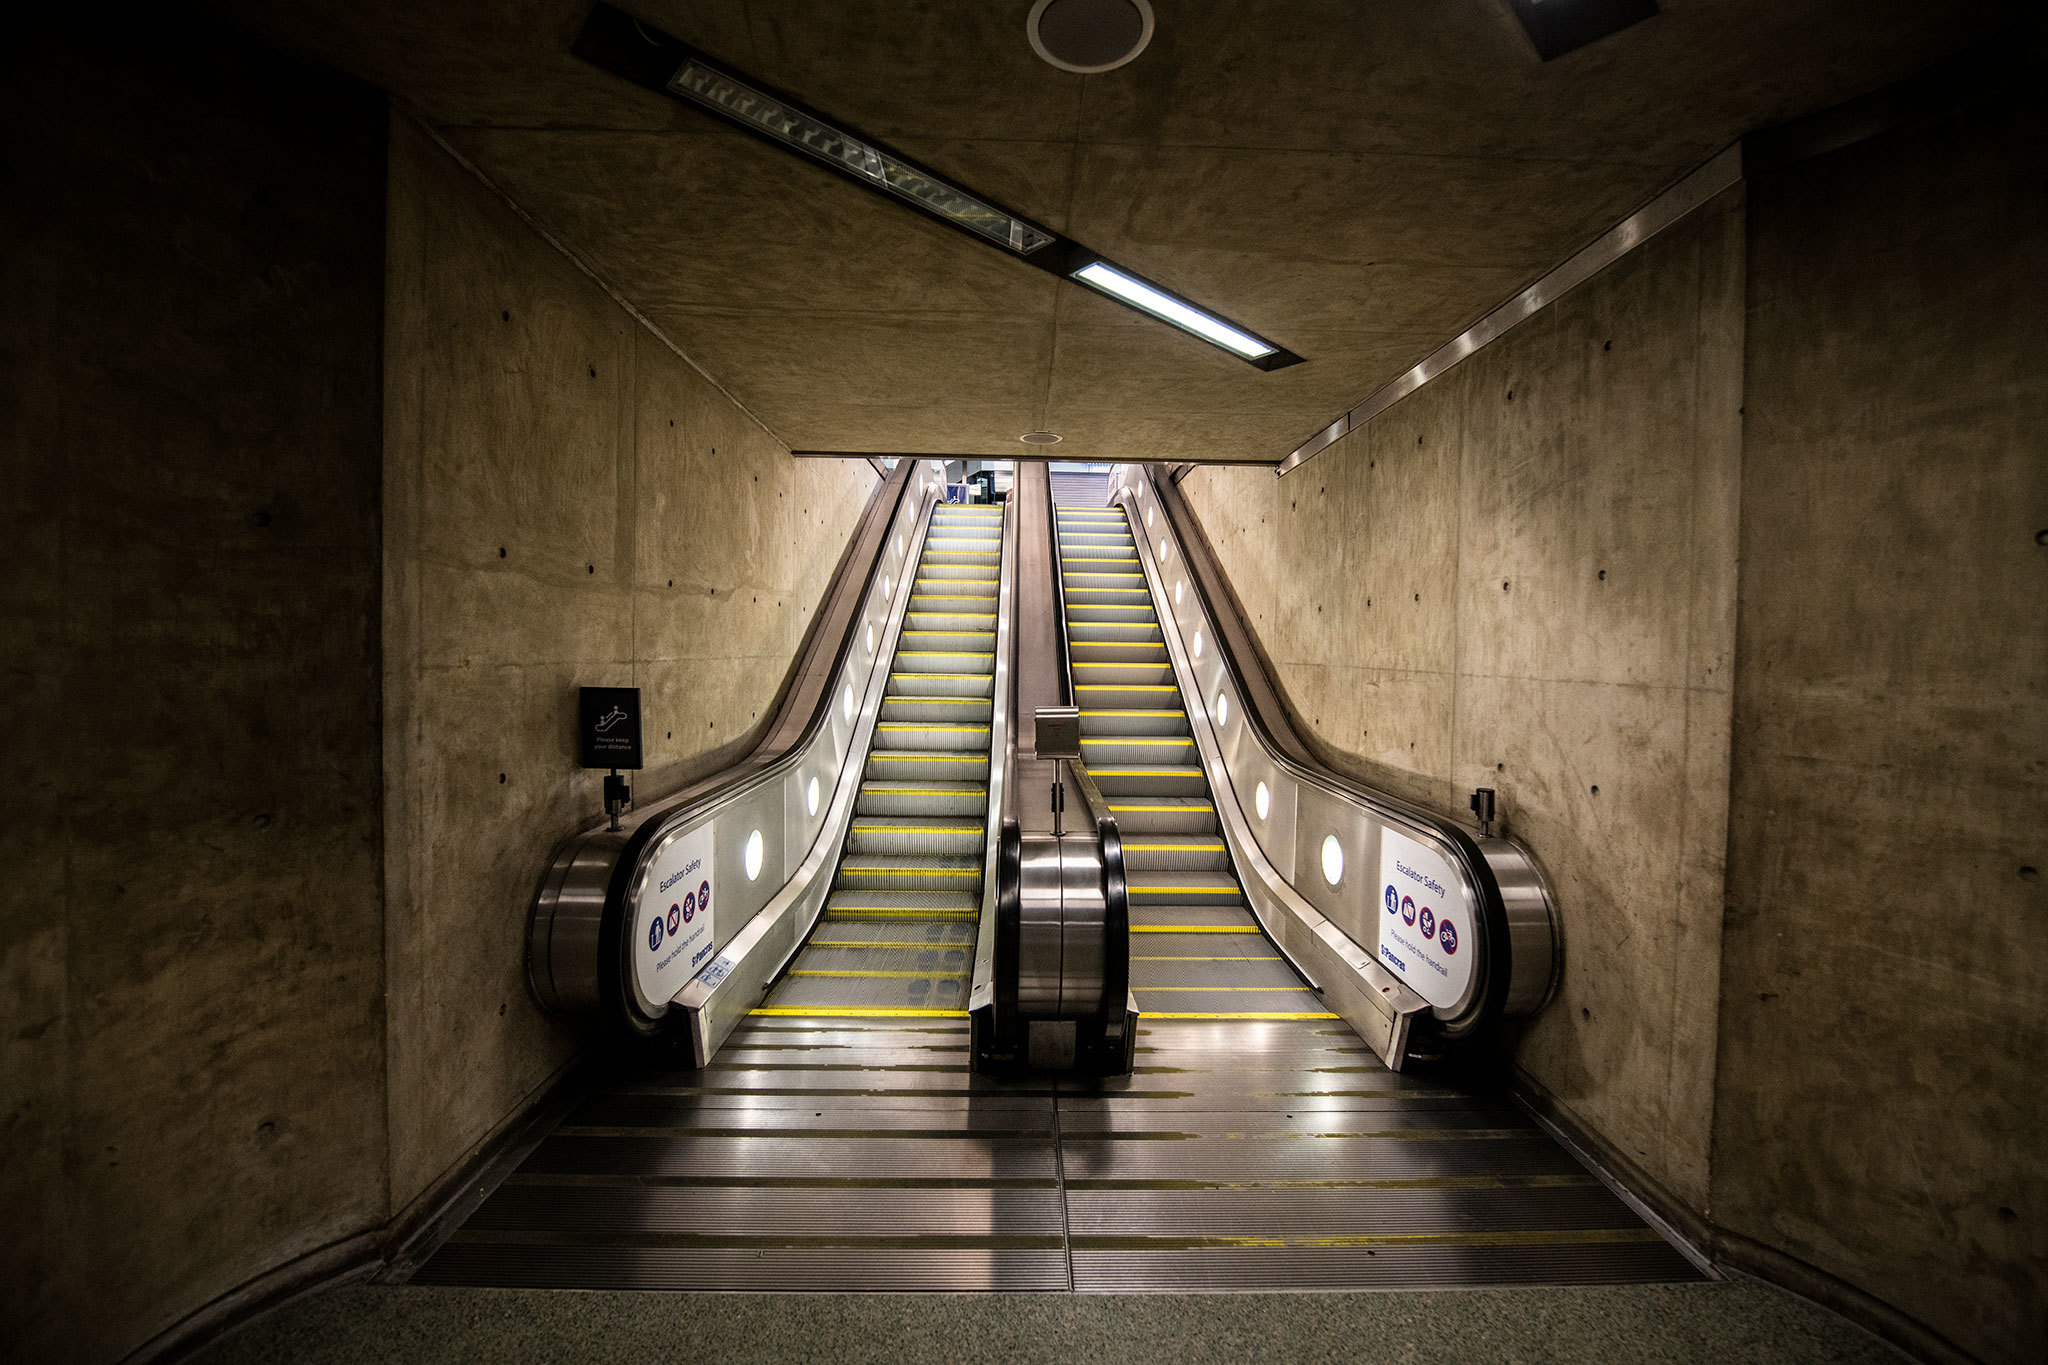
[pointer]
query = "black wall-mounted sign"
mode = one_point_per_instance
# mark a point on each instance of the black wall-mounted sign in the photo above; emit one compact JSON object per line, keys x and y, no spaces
{"x":608,"y":727}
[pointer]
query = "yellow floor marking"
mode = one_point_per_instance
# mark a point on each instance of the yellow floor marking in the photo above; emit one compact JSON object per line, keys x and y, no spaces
{"x":1194,"y":929}
{"x":1244,"y":1014}
{"x":853,"y":1012}
{"x":915,"y":976}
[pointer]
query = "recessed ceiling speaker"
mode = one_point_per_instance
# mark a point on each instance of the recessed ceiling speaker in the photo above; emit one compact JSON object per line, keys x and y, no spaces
{"x":1089,"y":36}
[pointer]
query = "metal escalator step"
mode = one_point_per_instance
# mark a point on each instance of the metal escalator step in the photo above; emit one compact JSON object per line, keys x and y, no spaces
{"x":1183,"y":918}
{"x":916,"y":835}
{"x":1148,"y":673}
{"x":932,"y":735}
{"x":906,"y":764}
{"x":907,"y":683}
{"x":1133,"y":721}
{"x":943,"y":661}
{"x":1142,"y":630}
{"x":944,"y":710}
{"x":1114,"y":751}
{"x":1184,"y":886}
{"x":976,"y":622}
{"x":1142,"y":815}
{"x":1154,"y":854}
{"x":1149,"y":780}
{"x":905,"y":903}
{"x":963,"y":641}
{"x":928,"y":797}
{"x":908,"y":872}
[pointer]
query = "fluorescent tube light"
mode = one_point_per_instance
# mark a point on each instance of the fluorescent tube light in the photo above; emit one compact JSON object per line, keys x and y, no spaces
{"x":1106,"y":277}
{"x":727,"y":94}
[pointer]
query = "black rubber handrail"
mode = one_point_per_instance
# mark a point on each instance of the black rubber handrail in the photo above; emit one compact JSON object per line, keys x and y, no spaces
{"x":866,"y":546}
{"x":1267,"y":714}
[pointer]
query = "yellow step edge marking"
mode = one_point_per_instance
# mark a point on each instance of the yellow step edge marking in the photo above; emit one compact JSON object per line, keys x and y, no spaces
{"x":1176,"y":848}
{"x":1238,"y":989}
{"x":1158,"y":714}
{"x":922,"y":756}
{"x":1128,"y":687}
{"x":933,"y":725}
{"x":853,"y":1012}
{"x":1194,"y":929}
{"x":1166,"y":771}
{"x":921,"y":829}
{"x":1247,"y":1014}
{"x":920,"y":945}
{"x":869,"y":912}
{"x":894,"y":976}
{"x":1119,"y":644}
{"x":854,"y":870}
{"x":1205,"y":806}
{"x":1274,"y":958}
{"x":1181,"y":741}
{"x":1185,"y":890}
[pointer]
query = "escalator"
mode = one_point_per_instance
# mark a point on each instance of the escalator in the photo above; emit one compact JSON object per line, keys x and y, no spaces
{"x":1196,"y":951}
{"x":858,"y":1098}
{"x":897,"y":936}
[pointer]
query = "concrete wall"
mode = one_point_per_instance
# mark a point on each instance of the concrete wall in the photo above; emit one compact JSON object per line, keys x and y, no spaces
{"x":1827,"y":1056}
{"x":191,"y":928}
{"x":567,"y":502}
{"x":1884,"y":1020}
{"x":261,"y":951}
{"x":1523,"y":577}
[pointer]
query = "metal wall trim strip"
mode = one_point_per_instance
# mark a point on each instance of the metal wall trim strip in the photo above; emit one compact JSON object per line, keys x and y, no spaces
{"x":1631,"y":232}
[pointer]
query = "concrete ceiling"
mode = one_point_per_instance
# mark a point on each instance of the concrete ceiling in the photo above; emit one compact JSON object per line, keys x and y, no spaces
{"x":1357,"y":179}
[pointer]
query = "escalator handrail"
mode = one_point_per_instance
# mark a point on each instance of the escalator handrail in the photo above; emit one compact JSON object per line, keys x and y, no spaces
{"x":806,"y":695}
{"x":1267,"y":717}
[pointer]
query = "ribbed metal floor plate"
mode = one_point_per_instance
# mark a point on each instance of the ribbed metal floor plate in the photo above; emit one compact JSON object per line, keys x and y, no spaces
{"x":818,"y":1154}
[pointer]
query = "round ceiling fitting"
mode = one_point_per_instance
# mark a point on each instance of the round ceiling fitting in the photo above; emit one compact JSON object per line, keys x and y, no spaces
{"x":1041,"y":438}
{"x":1088,"y":37}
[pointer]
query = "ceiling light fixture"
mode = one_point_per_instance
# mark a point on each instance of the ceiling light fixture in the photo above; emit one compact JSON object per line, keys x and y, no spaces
{"x":1041,"y":438}
{"x":617,"y":42}
{"x":1150,"y":298}
{"x":1089,"y":37}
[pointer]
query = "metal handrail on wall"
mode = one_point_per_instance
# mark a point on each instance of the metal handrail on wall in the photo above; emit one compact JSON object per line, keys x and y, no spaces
{"x":1308,"y":841}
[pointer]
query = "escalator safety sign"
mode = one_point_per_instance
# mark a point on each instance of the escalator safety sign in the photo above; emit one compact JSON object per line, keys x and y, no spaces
{"x":677,"y":928}
{"x":1418,"y":940}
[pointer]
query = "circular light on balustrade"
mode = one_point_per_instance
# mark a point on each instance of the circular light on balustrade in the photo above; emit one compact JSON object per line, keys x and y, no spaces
{"x":753,"y":855}
{"x":1333,"y":860}
{"x":1163,"y":556}
{"x":1262,"y":801}
{"x":1176,"y":592}
{"x":871,"y":637}
{"x":811,"y":798}
{"x":846,"y":702}
{"x":1148,"y":518}
{"x":1223,"y":708}
{"x":1198,"y":644}
{"x":899,"y":543}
